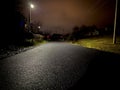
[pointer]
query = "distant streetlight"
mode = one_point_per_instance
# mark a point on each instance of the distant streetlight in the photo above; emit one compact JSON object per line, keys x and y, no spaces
{"x":31,"y":6}
{"x":38,"y":27}
{"x":114,"y":33}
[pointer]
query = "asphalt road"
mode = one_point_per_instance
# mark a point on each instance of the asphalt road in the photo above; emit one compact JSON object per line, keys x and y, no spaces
{"x":60,"y":66}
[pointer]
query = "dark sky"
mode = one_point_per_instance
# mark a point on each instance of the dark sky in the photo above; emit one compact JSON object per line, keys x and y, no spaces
{"x":69,"y":13}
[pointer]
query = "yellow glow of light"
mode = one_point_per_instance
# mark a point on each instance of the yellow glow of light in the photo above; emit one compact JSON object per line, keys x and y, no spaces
{"x":31,"y":5}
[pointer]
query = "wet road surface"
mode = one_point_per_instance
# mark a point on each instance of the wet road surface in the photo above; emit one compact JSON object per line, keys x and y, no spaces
{"x":60,"y":66}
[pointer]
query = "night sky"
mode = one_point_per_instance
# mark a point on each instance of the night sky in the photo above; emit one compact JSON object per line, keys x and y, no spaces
{"x":65,"y":14}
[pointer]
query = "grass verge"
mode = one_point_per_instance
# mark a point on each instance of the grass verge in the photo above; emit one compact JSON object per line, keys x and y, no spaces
{"x":104,"y":43}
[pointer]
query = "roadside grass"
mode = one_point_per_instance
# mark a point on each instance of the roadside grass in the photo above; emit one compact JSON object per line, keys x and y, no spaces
{"x":104,"y":43}
{"x":36,"y":42}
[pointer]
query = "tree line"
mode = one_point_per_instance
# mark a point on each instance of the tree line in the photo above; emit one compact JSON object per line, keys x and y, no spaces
{"x":90,"y":31}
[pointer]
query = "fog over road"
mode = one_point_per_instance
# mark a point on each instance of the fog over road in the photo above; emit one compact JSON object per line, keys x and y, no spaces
{"x":60,"y":66}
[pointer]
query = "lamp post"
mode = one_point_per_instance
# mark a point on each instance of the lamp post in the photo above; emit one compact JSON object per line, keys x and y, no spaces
{"x":30,"y":7}
{"x":115,"y":21}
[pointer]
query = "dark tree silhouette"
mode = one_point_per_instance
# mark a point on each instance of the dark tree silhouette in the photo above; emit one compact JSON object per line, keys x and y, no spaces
{"x":75,"y":33}
{"x":12,"y":24}
{"x":7,"y":21}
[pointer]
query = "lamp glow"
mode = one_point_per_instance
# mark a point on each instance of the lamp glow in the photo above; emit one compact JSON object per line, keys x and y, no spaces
{"x":31,"y":5}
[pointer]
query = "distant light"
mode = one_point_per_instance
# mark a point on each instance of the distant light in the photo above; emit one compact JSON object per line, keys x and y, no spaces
{"x":31,"y":5}
{"x":39,"y":27}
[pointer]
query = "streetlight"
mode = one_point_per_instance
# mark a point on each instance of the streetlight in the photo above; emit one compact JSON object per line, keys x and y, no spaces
{"x":31,"y":6}
{"x":114,"y":33}
{"x":38,"y":27}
